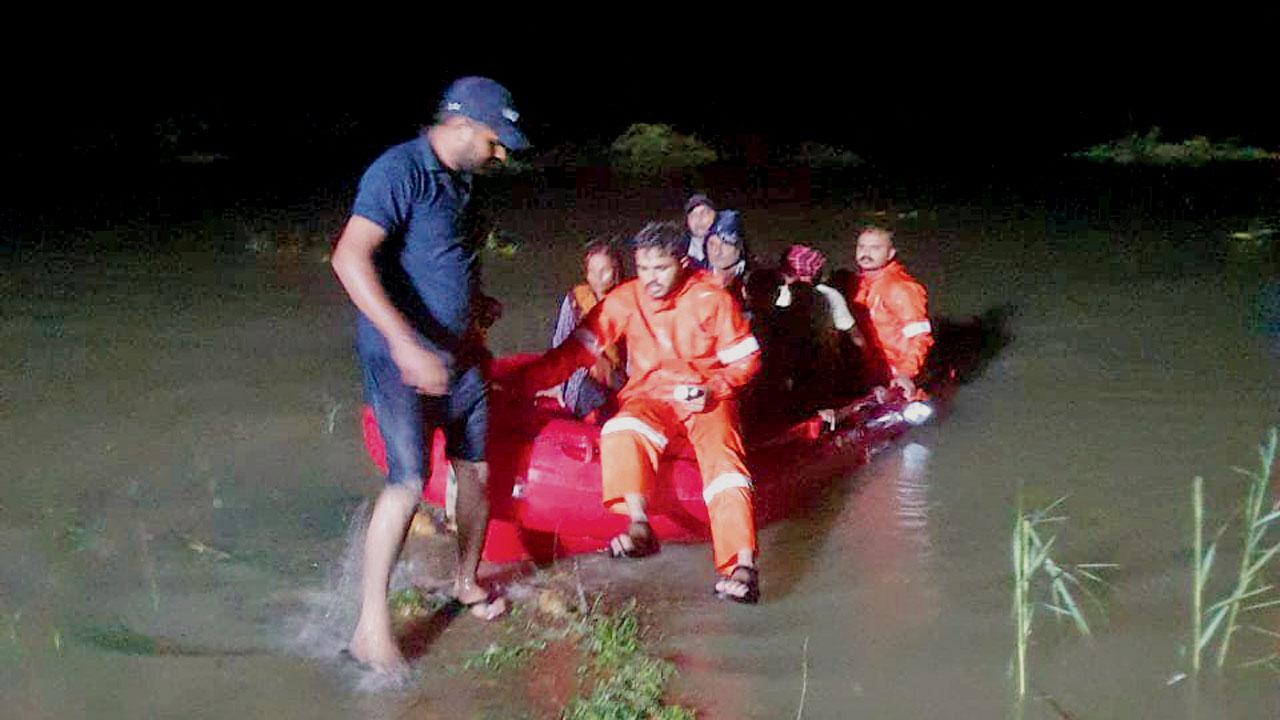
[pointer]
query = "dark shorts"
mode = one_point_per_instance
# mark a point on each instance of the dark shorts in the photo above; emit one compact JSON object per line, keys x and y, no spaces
{"x":405,"y":417}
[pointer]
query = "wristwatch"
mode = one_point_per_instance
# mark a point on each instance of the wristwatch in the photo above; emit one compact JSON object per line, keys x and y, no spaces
{"x":685,"y":393}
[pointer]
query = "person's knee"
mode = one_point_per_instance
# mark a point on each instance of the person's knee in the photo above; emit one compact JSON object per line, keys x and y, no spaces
{"x":406,"y":458}
{"x":405,"y":491}
{"x":628,"y":433}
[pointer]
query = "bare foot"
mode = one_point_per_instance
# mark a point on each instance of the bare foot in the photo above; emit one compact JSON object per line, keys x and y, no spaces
{"x":479,"y":602}
{"x":377,"y":650}
{"x":637,"y":542}
{"x":742,"y":585}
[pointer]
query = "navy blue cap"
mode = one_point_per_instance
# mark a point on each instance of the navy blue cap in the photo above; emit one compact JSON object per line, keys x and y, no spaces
{"x":485,"y":101}
{"x":728,"y":227}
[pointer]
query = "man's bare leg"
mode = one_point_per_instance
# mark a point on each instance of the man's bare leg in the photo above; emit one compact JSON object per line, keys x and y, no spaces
{"x":635,"y":507}
{"x":372,"y":642}
{"x":473,"y":521}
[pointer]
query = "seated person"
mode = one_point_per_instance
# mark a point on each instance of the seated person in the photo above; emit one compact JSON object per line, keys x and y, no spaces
{"x":804,"y":267}
{"x":800,"y":367}
{"x":589,"y":392}
{"x":699,"y":214}
{"x":805,"y":264}
{"x":726,"y":253}
{"x":690,"y":352}
{"x":892,"y":310}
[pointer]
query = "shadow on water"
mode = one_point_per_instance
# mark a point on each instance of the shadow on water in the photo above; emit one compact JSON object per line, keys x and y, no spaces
{"x":123,"y":640}
{"x":964,"y":348}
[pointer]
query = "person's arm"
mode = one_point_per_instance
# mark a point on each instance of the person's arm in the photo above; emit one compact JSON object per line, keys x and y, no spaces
{"x":840,"y":315}
{"x":353,"y":263}
{"x":600,"y":328}
{"x":382,"y":206}
{"x":736,"y":348}
{"x":909,"y":304}
{"x":566,"y":320}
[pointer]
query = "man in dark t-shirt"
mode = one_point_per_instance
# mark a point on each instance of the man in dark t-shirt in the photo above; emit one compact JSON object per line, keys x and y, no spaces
{"x":409,"y":265}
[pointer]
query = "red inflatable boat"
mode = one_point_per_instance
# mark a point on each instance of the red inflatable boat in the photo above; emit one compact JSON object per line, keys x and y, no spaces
{"x":545,"y":473}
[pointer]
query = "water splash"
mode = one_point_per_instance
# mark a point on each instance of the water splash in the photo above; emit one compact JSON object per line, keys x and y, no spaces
{"x":329,"y":613}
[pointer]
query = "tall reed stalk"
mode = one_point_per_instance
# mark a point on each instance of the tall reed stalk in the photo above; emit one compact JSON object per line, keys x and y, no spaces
{"x":1037,"y":574}
{"x":1250,"y":584}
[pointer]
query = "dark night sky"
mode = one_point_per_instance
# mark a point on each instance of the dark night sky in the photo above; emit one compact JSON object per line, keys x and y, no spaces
{"x":908,"y":100}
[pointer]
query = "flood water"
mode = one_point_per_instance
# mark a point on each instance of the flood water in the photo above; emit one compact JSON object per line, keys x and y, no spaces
{"x":181,"y":458}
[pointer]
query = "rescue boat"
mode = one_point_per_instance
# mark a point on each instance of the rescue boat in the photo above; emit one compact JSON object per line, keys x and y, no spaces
{"x":544,"y":471}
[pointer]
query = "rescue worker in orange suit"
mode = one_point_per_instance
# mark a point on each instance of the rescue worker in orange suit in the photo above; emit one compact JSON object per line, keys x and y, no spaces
{"x":689,"y":352}
{"x":892,"y":312}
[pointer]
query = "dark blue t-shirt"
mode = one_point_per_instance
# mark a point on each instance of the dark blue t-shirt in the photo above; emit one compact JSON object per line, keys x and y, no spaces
{"x":427,"y":263}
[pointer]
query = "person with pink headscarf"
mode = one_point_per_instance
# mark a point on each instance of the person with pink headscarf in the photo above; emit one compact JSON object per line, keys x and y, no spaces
{"x":805,"y":345}
{"x":804,"y":264}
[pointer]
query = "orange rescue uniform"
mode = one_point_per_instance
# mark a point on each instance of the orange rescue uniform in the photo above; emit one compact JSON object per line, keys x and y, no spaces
{"x":696,"y":335}
{"x":611,"y":360}
{"x":892,"y":311}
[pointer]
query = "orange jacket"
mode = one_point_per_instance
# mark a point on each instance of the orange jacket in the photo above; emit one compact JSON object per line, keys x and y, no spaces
{"x":892,"y":310}
{"x":585,"y":298}
{"x":696,"y":335}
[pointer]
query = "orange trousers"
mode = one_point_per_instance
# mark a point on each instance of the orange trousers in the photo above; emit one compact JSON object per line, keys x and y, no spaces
{"x":632,"y":444}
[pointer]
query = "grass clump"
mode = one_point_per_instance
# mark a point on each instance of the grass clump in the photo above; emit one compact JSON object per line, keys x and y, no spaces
{"x":625,"y":681}
{"x":617,"y":677}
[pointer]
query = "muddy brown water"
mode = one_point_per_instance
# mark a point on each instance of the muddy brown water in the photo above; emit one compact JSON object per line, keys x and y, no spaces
{"x":180,"y":457}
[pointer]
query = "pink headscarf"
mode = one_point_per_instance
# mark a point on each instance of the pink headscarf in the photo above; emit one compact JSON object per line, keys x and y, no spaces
{"x":804,"y":262}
